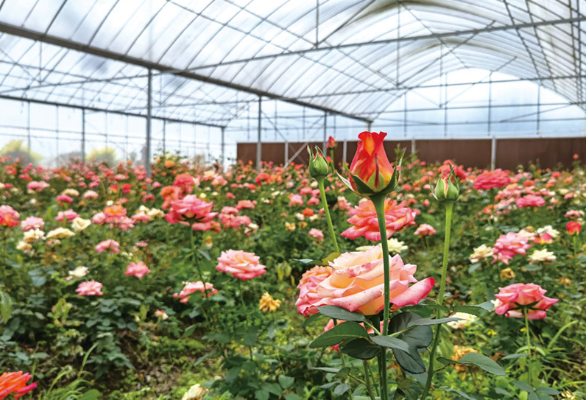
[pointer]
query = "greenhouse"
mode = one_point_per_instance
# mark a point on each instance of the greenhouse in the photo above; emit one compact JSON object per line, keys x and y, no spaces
{"x":194,"y":197}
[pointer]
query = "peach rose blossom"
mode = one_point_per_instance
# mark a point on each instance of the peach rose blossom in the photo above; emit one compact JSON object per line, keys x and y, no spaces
{"x":491,"y":179}
{"x":8,"y":216}
{"x":31,"y":223}
{"x":530,"y":200}
{"x":307,"y":286}
{"x":522,"y":294}
{"x":357,"y":283}
{"x":68,"y":215}
{"x":509,"y":245}
{"x":316,"y":233}
{"x":240,"y":264}
{"x":110,"y":245}
{"x":89,"y":288}
{"x":365,"y":221}
{"x":138,"y":270}
{"x":425,"y":230}
{"x":191,"y":207}
{"x":193,"y":287}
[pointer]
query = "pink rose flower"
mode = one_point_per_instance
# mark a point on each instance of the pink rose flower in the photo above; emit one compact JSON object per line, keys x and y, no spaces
{"x":193,"y":287}
{"x":31,"y":223}
{"x":317,"y":234}
{"x":522,"y":294}
{"x":425,"y":230}
{"x":138,"y":270}
{"x":356,"y":283}
{"x":37,"y":186}
{"x":509,"y":245}
{"x":141,"y":244}
{"x":530,"y":200}
{"x":245,"y":204}
{"x":8,"y":216}
{"x":62,"y":198}
{"x":90,"y":195}
{"x":365,"y":221}
{"x":295,"y":200}
{"x":191,"y":207}
{"x":110,"y":245}
{"x":240,"y":264}
{"x":230,"y":210}
{"x":491,"y":179}
{"x":89,"y":288}
{"x":313,"y":201}
{"x":573,"y":214}
{"x":307,"y":286}
{"x":69,"y":215}
{"x":99,"y":218}
{"x":141,"y":217}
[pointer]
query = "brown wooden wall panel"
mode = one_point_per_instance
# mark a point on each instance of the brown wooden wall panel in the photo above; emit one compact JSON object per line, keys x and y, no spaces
{"x":547,"y":152}
{"x":469,"y":153}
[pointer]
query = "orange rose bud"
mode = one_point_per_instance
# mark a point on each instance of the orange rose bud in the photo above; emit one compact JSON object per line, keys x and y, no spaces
{"x":574,"y":228}
{"x":331,"y":143}
{"x":371,"y":172}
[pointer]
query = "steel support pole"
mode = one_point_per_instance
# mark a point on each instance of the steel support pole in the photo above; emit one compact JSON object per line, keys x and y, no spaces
{"x":147,"y":159}
{"x":413,"y":146}
{"x":29,"y":126}
{"x":83,"y":135}
{"x":258,"y":152}
{"x":369,"y":126}
{"x":223,"y":147}
{"x":493,"y":160}
{"x":344,"y":152}
{"x":286,"y":153}
{"x":164,"y":135}
{"x":325,"y":134}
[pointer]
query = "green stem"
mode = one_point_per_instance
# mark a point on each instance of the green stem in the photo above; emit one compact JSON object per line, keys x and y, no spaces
{"x":441,"y":297}
{"x":528,"y":345}
{"x":379,"y":201}
{"x":321,"y":183}
{"x":195,"y":258}
{"x":368,"y":380}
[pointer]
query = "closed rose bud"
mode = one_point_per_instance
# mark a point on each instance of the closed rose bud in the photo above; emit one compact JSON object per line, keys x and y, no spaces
{"x":371,"y":172}
{"x":317,"y":165}
{"x":446,"y":190}
{"x":574,"y":228}
{"x":331,"y":143}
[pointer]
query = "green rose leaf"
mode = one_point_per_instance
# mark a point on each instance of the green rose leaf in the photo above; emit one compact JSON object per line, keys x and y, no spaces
{"x":483,"y":362}
{"x":346,"y":330}
{"x":431,"y":321}
{"x":361,"y":348}
{"x":416,"y":337}
{"x":341,"y":314}
{"x":391,"y":342}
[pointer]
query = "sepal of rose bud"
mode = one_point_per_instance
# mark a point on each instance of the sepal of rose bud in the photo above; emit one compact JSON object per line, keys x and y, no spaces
{"x":446,"y":190}
{"x":317,"y":164}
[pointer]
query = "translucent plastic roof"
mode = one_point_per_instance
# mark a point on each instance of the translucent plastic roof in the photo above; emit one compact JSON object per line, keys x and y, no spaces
{"x":208,"y":57}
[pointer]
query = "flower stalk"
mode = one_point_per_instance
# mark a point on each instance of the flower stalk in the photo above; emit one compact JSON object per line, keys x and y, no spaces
{"x":528,"y":345}
{"x":441,"y":297}
{"x":378,"y":201}
{"x":321,"y":185}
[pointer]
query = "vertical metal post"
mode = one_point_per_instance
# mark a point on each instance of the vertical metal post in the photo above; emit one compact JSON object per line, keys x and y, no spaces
{"x":539,"y":108}
{"x":29,"y":126}
{"x":369,"y":126}
{"x":147,"y":160}
{"x":413,"y":146}
{"x":258,"y":152}
{"x":223,"y":146}
{"x":325,"y":134}
{"x":493,"y":160}
{"x":83,"y":135}
{"x":345,"y":152}
{"x":286,"y":153}
{"x":164,"y":135}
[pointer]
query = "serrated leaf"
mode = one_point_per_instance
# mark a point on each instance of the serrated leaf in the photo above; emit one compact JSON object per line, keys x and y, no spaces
{"x":5,"y":306}
{"x":346,"y":330}
{"x":417,"y":337}
{"x":483,"y":362}
{"x":391,"y":342}
{"x":431,"y":321}
{"x":341,"y":314}
{"x":341,"y":389}
{"x":361,"y":348}
{"x":286,"y":381}
{"x":312,"y":319}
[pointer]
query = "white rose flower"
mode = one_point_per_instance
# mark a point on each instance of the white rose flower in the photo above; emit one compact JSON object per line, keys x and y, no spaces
{"x":79,"y":224}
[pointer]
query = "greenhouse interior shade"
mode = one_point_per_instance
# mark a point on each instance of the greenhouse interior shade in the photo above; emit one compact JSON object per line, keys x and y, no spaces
{"x":77,"y":76}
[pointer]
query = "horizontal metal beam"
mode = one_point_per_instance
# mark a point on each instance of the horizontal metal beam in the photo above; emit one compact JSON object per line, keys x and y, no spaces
{"x":399,"y":39}
{"x":57,"y":104}
{"x":29,"y":34}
